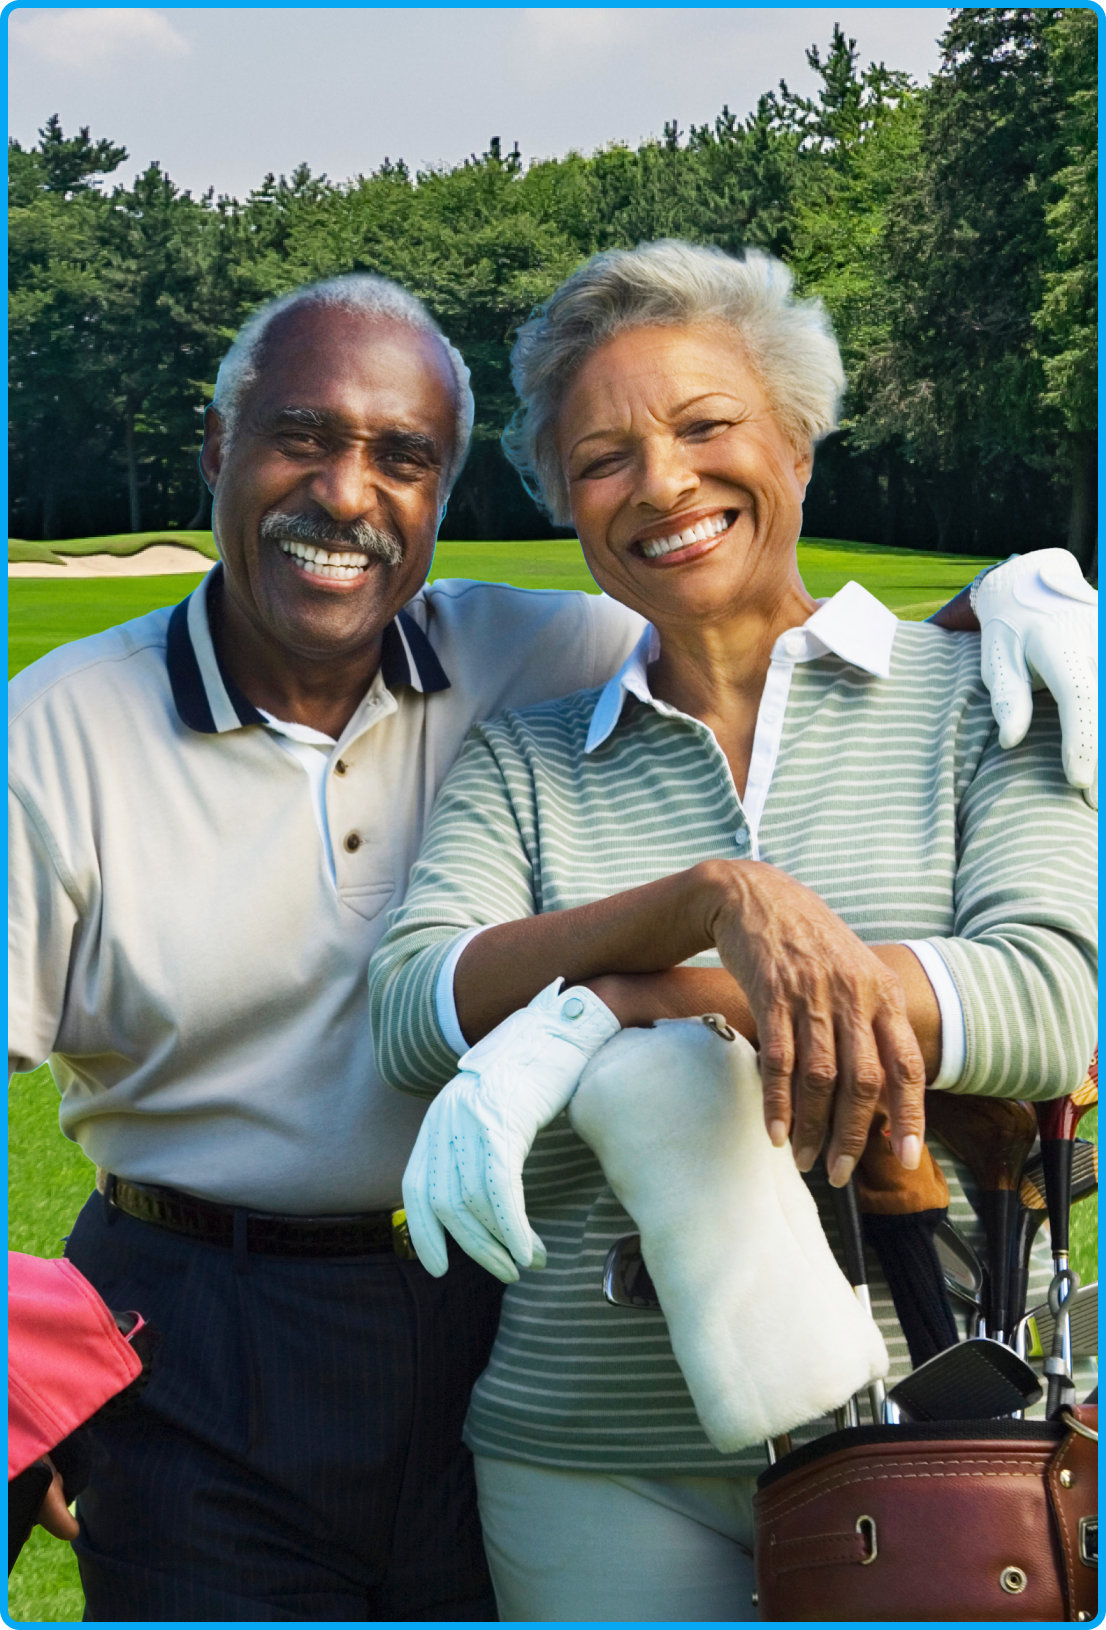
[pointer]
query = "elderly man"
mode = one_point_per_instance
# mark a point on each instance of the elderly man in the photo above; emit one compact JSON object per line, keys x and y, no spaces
{"x":212,"y":811}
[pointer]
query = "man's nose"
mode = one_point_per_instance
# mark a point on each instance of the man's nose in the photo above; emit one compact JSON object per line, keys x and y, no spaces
{"x":664,"y":475}
{"x":344,"y":486}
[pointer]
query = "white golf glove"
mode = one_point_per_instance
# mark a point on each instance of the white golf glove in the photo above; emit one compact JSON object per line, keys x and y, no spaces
{"x":465,"y":1172}
{"x":1039,"y":622}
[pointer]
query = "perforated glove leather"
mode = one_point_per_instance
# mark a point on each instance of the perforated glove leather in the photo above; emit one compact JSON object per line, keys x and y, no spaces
{"x":465,"y":1172}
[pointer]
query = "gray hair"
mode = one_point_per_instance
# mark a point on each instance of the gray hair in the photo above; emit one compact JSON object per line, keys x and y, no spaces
{"x":358,"y":292}
{"x":789,"y":342}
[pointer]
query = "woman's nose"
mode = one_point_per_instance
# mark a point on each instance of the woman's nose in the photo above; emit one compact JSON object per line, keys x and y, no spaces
{"x":664,"y":476}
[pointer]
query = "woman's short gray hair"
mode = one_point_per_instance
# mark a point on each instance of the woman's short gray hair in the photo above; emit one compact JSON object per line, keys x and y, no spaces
{"x":358,"y":292}
{"x":789,"y":342}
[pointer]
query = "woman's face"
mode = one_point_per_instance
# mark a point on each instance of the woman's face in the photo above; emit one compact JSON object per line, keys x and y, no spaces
{"x":686,"y":493}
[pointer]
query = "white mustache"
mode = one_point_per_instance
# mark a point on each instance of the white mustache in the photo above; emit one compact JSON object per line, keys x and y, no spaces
{"x":359,"y":537}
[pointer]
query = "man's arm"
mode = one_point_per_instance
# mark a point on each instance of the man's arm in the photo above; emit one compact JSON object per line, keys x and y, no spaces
{"x":42,"y":921}
{"x":1038,"y":620}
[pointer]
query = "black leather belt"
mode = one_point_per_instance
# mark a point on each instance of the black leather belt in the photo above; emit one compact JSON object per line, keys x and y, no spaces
{"x":266,"y":1233}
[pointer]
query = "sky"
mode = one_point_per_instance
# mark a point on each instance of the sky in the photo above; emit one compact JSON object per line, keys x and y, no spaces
{"x":220,"y":96}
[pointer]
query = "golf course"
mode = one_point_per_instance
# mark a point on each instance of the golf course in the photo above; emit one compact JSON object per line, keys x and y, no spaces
{"x":49,"y":1178}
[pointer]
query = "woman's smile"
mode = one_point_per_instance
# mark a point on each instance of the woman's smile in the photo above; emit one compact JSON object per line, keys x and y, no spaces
{"x":689,"y":537}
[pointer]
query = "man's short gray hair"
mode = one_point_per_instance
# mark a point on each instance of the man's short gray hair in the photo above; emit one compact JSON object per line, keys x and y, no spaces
{"x":358,"y":292}
{"x":789,"y":342}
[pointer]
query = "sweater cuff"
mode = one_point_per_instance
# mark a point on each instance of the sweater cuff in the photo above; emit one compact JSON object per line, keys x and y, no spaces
{"x":444,"y":1002}
{"x":954,"y":1044}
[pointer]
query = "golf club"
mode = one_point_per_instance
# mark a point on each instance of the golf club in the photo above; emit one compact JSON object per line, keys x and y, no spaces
{"x":1057,"y":1121}
{"x":847,"y":1213}
{"x":900,"y":1211}
{"x":976,"y":1380}
{"x":1034,"y":1206}
{"x":964,"y":1275}
{"x":993,"y":1137}
{"x":1057,"y":1366}
{"x":1039,"y":1326}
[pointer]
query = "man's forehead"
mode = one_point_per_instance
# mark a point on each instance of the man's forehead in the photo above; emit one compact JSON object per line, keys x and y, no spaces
{"x":315,"y":356}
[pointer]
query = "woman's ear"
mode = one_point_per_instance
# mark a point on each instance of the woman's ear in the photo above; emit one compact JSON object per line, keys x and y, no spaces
{"x":804,"y":464}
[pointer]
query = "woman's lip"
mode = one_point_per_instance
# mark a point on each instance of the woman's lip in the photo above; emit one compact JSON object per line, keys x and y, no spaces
{"x":693,"y":551}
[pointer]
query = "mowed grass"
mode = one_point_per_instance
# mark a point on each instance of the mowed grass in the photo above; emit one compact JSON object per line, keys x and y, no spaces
{"x":49,"y":1177}
{"x":45,"y":612}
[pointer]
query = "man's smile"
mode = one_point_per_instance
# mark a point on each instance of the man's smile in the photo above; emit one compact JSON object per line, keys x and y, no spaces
{"x":340,"y":566}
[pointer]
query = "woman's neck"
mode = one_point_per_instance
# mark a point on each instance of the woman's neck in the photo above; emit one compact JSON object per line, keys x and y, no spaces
{"x":715,"y":671}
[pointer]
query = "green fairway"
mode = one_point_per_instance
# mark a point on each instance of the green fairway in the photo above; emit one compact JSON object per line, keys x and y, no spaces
{"x":44,"y":612}
{"x":49,"y":1177}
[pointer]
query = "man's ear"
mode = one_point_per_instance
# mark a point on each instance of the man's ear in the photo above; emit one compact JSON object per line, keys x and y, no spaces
{"x":211,"y":453}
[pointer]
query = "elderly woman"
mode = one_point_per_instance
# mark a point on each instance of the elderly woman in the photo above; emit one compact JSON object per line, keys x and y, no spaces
{"x":794,"y":814}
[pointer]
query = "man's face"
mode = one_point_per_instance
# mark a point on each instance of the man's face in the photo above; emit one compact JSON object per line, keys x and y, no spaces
{"x":328,"y":496}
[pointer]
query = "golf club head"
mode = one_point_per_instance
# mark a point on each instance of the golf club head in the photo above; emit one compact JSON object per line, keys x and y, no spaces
{"x":626,"y":1281}
{"x":1084,"y":1177}
{"x":978,"y":1380}
{"x":962,"y":1269}
{"x":1041,"y":1326}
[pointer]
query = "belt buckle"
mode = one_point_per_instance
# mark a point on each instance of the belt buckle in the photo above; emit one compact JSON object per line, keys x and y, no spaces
{"x":401,"y":1238}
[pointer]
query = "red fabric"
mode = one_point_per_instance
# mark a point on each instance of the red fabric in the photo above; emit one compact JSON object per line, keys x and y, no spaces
{"x":66,"y":1356}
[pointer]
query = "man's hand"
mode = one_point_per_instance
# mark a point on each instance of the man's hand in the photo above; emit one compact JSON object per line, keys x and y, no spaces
{"x":465,"y":1172}
{"x":831,"y":1017}
{"x":53,"y":1514}
{"x":1039,"y":624}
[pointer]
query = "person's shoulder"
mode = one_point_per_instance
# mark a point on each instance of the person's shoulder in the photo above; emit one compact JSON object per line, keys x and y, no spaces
{"x":75,"y":676}
{"x":503,"y":646}
{"x":923,"y":651}
{"x":557,"y":728}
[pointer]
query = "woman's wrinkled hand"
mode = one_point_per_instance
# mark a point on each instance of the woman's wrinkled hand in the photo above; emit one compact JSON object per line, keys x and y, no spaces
{"x":831,"y":1017}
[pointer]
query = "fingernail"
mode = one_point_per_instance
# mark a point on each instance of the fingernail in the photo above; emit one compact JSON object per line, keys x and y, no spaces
{"x":841,"y":1171}
{"x":805,"y":1158}
{"x":910,"y":1152}
{"x":777,"y":1131}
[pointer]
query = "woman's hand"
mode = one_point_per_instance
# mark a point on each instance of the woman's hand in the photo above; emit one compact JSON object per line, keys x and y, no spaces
{"x":831,"y":1017}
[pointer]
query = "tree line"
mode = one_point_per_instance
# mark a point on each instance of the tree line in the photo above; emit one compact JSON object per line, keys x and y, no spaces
{"x":950,"y":229}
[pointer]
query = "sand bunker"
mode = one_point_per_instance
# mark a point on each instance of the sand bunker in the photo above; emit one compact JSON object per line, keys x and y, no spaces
{"x":159,"y":560}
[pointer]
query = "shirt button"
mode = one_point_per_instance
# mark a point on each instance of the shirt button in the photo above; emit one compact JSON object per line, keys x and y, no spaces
{"x":572,"y":1008}
{"x":352,"y":842}
{"x":341,"y":767}
{"x":793,"y":645}
{"x":771,"y":715}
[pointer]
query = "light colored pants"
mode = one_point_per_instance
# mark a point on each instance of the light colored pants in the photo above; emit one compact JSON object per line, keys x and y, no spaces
{"x":577,"y":1546}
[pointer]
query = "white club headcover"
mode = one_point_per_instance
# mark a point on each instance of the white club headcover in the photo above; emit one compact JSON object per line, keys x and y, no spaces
{"x":1039,"y":624}
{"x":763,"y":1323}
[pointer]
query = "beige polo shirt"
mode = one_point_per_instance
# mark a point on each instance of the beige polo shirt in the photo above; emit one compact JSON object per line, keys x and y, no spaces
{"x":193,"y":906}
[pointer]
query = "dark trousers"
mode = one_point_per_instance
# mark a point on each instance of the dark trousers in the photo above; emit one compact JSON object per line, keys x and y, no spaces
{"x":297,"y":1453}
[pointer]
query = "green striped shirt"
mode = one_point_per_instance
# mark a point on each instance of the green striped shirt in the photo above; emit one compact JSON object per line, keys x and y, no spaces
{"x":887,"y":795}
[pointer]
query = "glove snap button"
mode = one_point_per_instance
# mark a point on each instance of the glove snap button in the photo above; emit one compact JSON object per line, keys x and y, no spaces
{"x":572,"y":1008}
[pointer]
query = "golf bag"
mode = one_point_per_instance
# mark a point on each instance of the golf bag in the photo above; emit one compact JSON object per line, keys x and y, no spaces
{"x":958,"y":1520}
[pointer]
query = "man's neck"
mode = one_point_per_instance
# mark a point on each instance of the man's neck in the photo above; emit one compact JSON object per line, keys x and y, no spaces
{"x":323,"y":693}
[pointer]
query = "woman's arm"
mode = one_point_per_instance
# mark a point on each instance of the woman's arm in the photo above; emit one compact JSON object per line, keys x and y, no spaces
{"x":831,"y":1017}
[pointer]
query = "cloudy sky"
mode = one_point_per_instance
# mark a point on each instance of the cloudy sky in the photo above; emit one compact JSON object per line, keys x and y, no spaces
{"x":221,"y":95}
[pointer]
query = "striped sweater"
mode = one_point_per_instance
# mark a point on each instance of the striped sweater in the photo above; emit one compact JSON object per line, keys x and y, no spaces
{"x":891,"y":798}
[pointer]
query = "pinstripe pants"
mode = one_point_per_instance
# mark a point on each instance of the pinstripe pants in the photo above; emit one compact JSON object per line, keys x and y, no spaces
{"x":297,"y":1453}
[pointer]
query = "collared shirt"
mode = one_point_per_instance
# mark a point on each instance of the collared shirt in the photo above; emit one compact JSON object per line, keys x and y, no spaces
{"x":882,"y":788}
{"x":192,"y":911}
{"x":854,"y":626}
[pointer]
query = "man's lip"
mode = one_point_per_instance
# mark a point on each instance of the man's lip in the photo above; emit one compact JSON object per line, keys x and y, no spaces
{"x":304,"y":568}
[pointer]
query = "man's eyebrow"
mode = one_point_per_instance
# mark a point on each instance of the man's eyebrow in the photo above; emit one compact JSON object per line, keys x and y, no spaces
{"x":306,"y":418}
{"x":409,"y":441}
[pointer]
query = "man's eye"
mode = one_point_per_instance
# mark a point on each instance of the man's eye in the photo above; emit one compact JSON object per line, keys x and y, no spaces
{"x":299,"y":441}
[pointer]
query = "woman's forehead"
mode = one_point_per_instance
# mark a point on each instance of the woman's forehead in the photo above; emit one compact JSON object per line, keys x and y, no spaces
{"x":671,"y":367}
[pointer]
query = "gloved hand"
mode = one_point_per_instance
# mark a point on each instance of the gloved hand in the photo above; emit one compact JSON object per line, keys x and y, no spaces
{"x":466,"y":1167}
{"x":1039,"y":622}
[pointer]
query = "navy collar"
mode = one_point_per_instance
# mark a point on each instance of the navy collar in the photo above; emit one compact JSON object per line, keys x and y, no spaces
{"x":206,"y":696}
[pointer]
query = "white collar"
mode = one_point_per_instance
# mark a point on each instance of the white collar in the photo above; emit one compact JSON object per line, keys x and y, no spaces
{"x":853,"y":624}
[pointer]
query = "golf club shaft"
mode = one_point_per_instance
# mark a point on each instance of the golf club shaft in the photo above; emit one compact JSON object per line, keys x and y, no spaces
{"x":1058,"y":1121}
{"x":993,"y":1137}
{"x":847,"y":1212}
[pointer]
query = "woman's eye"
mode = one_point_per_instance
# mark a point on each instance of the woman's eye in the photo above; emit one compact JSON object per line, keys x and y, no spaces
{"x":603,"y":465}
{"x":703,"y":428}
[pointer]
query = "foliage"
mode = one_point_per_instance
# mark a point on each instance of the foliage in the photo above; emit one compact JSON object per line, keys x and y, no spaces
{"x":948,"y":228}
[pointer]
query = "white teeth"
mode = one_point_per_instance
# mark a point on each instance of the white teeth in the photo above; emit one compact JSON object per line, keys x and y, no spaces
{"x":340,"y":565}
{"x":709,"y":528}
